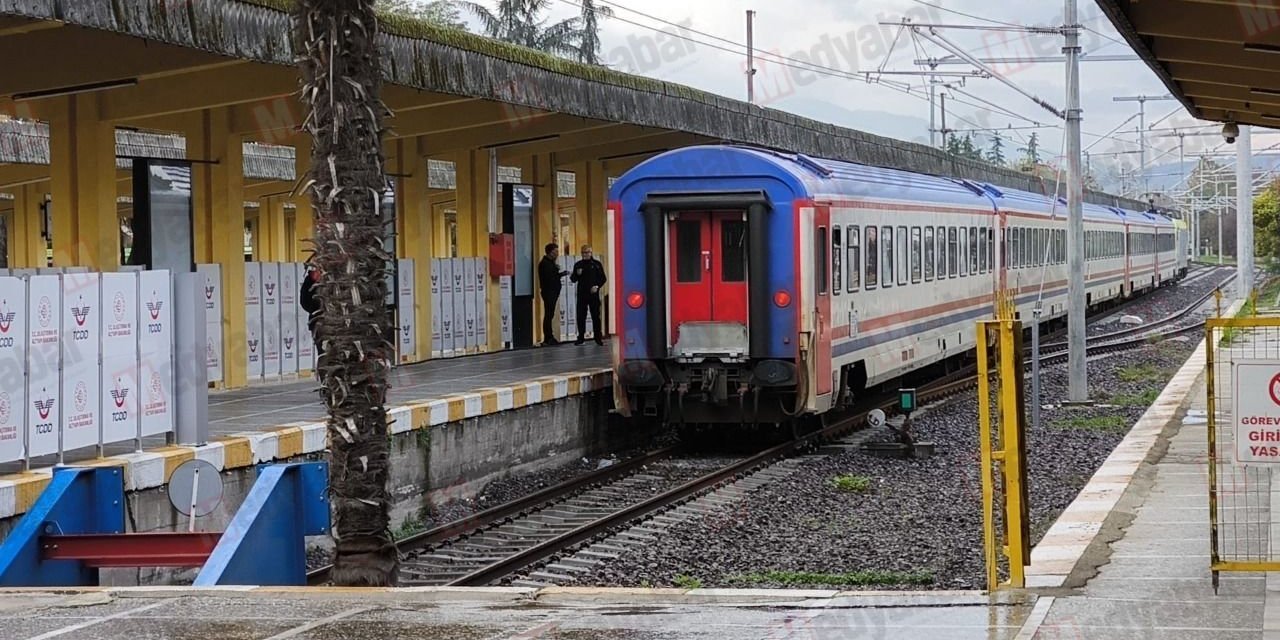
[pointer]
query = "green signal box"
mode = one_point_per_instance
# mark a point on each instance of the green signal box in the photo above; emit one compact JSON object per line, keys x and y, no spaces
{"x":907,"y":399}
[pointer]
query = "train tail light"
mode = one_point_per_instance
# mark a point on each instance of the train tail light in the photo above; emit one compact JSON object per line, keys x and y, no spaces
{"x":635,"y":300}
{"x":782,"y":298}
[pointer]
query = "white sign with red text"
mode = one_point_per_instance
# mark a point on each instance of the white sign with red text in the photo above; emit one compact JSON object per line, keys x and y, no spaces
{"x":44,"y":328}
{"x":1256,"y":410}
{"x":81,"y":365}
{"x":155,"y":347}
{"x":13,"y":366}
{"x":119,"y":356}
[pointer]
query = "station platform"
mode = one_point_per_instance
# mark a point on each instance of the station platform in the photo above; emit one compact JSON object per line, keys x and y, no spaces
{"x":286,"y":419}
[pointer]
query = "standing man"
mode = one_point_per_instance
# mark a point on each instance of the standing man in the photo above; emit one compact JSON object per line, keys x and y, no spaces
{"x":310,"y":303}
{"x":549,"y":275}
{"x":589,"y":274}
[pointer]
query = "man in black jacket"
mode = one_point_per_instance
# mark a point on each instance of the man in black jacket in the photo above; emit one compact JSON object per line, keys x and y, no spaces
{"x":589,"y":274}
{"x":549,"y":275}
{"x":310,"y":303}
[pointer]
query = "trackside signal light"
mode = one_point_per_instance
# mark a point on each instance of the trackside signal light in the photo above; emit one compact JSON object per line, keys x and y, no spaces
{"x":635,"y":300}
{"x":782,"y":298}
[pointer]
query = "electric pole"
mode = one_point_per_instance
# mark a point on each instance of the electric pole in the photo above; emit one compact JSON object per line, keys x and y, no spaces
{"x":1244,"y":213}
{"x":1078,"y":383}
{"x":751,"y":59}
{"x":1142,"y":132}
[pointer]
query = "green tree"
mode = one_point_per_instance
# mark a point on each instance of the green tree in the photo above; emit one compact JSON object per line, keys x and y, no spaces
{"x":442,"y":12}
{"x":966,"y":146}
{"x":336,"y":41}
{"x":589,"y":45}
{"x":953,"y":144}
{"x":996,"y":154}
{"x":521,"y":22}
{"x":1266,"y":222}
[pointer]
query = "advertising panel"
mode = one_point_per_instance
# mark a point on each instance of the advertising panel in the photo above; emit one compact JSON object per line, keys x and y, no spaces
{"x":119,"y":356}
{"x":81,"y":369}
{"x":13,"y":366}
{"x":457,"y":278}
{"x":405,"y":300}
{"x":155,"y":346}
{"x":253,"y":318}
{"x":469,"y":302}
{"x":270,"y":319}
{"x":289,"y":318}
{"x":213,"y":318}
{"x":482,"y":303}
{"x":504,"y":308}
{"x":446,"y":307}
{"x":44,"y":324}
{"x":436,"y":308}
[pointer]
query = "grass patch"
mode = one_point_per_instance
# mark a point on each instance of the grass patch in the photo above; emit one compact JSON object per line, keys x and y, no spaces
{"x":1095,"y":423}
{"x":687,"y":582}
{"x":851,"y":483}
{"x":1144,"y":399}
{"x":1141,"y":373}
{"x":856,"y":578}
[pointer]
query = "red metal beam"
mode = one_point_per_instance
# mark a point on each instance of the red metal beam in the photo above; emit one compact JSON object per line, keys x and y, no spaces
{"x":131,"y":549}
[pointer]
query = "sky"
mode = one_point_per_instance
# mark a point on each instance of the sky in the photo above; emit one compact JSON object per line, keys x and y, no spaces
{"x":701,"y":43}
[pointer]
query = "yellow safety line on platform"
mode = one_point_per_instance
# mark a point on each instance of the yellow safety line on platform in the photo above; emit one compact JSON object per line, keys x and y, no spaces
{"x":152,"y":468}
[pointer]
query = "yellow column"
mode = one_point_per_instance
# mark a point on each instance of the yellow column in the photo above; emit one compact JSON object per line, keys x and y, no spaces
{"x":303,"y":216}
{"x":271,"y":221}
{"x":413,"y":220}
{"x":83,"y":177}
{"x":26,"y":246}
{"x":195,"y":130}
{"x":225,"y":216}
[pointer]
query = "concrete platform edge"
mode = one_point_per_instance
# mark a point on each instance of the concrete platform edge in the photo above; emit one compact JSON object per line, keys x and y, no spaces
{"x":1062,"y":550}
{"x":152,"y":468}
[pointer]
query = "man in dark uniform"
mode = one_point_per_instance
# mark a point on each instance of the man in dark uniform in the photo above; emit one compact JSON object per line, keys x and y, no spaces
{"x":549,"y":275}
{"x":310,"y":303}
{"x":589,"y":274}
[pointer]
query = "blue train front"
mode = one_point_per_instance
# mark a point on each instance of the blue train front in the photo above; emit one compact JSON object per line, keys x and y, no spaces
{"x":708,"y":302}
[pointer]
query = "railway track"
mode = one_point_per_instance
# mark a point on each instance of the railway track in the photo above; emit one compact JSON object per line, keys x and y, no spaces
{"x":626,"y":504}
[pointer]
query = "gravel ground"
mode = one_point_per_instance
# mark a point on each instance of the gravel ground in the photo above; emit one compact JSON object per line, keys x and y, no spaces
{"x":1163,"y":302}
{"x":920,"y":517}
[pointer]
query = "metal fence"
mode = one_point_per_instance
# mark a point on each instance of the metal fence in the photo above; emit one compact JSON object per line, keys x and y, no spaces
{"x":1243,"y":403}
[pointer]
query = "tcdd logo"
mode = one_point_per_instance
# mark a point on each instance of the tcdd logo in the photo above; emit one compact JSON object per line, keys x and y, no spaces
{"x":153,"y":309}
{"x":1274,"y":388}
{"x":6,"y":317}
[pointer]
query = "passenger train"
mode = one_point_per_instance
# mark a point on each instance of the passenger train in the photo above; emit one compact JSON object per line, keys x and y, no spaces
{"x":755,"y":287}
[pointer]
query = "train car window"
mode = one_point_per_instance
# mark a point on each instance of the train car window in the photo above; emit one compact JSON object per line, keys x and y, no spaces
{"x":973,"y":250}
{"x":836,"y":271}
{"x":873,"y":258}
{"x":821,"y":271}
{"x":982,"y":252}
{"x":689,"y":251}
{"x":886,"y":261}
{"x":853,"y":258}
{"x":901,"y":249}
{"x":942,"y":252}
{"x":1015,"y":252}
{"x":964,"y":251}
{"x":733,"y":251}
{"x":953,"y":253}
{"x":915,"y":254}
{"x":991,"y":249}
{"x":928,"y":254}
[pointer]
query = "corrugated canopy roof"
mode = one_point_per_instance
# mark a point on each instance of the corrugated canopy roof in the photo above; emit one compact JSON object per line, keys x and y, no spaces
{"x":1217,"y":57}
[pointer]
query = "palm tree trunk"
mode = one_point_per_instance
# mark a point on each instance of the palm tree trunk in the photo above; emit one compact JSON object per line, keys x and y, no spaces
{"x":337,"y":46}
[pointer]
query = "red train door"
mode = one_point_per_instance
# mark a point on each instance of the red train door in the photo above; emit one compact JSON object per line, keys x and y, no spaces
{"x":822,"y":285}
{"x":708,"y":264}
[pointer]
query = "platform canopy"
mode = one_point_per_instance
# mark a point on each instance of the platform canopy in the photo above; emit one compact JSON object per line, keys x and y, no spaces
{"x":1220,"y":58}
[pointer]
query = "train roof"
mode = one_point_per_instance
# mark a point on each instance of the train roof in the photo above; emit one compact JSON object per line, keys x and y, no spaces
{"x":826,"y":179}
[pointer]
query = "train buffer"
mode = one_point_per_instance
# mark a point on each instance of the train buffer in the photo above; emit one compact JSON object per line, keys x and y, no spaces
{"x":76,"y":528}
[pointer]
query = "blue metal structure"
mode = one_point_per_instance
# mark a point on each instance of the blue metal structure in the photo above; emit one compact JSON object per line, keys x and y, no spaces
{"x":265,"y":544}
{"x":77,"y":500}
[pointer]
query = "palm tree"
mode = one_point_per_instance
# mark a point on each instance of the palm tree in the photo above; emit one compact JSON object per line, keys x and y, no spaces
{"x":520,"y":22}
{"x":589,"y":47}
{"x":340,"y":62}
